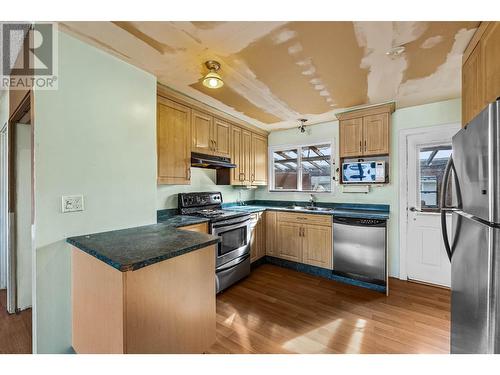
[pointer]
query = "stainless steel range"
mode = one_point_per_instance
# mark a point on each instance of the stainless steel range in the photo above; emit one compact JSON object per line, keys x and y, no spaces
{"x":233,"y":252}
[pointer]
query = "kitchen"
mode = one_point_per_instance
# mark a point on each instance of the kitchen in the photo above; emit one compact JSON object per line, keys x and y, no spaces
{"x":300,"y":200}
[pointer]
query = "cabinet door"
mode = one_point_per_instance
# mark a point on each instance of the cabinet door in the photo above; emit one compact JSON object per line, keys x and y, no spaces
{"x":317,"y":246}
{"x":173,"y":132}
{"x":237,"y":174}
{"x":491,"y":55}
{"x":257,"y":238}
{"x":221,"y":136}
{"x":376,"y":134}
{"x":271,"y":229}
{"x":259,"y":160}
{"x":351,"y":137}
{"x":289,"y":241}
{"x":246,"y":157}
{"x":472,"y":86}
{"x":202,"y":133}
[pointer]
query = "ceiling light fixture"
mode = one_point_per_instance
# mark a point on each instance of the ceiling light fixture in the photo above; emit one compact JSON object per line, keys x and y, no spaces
{"x":213,"y":80}
{"x":395,"y":51}
{"x":302,"y":126}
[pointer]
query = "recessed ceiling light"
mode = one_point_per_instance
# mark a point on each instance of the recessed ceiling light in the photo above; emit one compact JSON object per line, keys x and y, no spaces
{"x":395,"y":51}
{"x":213,"y":80}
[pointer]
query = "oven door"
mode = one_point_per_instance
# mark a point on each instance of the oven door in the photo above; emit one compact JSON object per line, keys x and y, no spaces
{"x":235,"y":239}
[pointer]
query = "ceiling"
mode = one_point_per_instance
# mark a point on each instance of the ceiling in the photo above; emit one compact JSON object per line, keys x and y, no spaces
{"x":277,"y":72}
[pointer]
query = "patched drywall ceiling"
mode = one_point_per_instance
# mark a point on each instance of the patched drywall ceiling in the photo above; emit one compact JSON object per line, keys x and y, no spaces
{"x":277,"y":72}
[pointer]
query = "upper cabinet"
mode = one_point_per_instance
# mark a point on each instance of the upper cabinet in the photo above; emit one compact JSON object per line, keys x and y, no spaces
{"x":210,"y":135}
{"x":481,"y":71}
{"x":258,"y":162}
{"x":201,"y":130}
{"x":185,"y":125}
{"x":240,"y":155}
{"x":365,"y":132}
{"x":351,"y":137}
{"x":173,"y":131}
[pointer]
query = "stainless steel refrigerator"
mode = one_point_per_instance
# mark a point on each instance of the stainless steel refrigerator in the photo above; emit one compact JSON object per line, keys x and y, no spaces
{"x":473,"y":245}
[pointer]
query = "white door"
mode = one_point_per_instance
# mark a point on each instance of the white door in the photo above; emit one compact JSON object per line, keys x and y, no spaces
{"x":427,"y":155}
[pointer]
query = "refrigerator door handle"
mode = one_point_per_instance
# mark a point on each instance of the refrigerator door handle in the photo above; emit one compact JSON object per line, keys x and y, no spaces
{"x":444,"y":209}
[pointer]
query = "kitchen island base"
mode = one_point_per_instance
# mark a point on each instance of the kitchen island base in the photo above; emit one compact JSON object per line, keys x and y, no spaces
{"x":166,"y":307}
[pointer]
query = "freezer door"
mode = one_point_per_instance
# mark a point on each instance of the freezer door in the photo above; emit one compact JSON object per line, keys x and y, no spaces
{"x":471,"y":284}
{"x":476,"y":155}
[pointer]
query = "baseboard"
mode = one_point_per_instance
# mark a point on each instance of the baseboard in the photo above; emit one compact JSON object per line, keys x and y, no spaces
{"x":321,"y":272}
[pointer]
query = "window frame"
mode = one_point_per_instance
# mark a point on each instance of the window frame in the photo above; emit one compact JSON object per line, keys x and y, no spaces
{"x":299,"y":147}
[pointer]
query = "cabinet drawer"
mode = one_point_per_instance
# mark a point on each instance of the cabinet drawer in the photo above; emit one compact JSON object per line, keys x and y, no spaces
{"x":202,"y":228}
{"x":305,"y":218}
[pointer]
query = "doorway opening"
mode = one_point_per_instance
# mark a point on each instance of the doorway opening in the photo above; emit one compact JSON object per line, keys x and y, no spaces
{"x":422,"y":255}
{"x":16,"y":225}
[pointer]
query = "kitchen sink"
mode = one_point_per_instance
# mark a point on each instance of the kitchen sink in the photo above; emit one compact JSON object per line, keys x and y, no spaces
{"x":308,"y":208}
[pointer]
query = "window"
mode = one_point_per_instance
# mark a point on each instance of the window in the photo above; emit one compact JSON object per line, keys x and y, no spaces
{"x":302,"y":168}
{"x":432,"y":163}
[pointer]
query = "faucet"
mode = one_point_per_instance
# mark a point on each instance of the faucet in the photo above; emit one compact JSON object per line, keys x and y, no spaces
{"x":312,"y":200}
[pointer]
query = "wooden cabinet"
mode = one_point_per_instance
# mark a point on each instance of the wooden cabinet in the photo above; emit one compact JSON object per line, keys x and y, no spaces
{"x":221,"y":137}
{"x":258,"y":237}
{"x":365,"y":132}
{"x":202,"y":132}
{"x":376,"y":134}
{"x":173,"y":131}
{"x":258,"y":162}
{"x":317,"y":246}
{"x":271,"y":230}
{"x":491,"y":53}
{"x":351,"y":137}
{"x":201,"y":228}
{"x":210,"y":135}
{"x":289,"y":241}
{"x":481,"y":71}
{"x":240,"y":155}
{"x":304,"y":238}
{"x":208,"y":131}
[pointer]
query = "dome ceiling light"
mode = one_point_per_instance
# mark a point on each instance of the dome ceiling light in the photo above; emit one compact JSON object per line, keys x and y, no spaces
{"x":213,"y":80}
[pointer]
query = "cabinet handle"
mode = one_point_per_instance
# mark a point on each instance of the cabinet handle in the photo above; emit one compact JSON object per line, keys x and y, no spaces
{"x":242,"y":176}
{"x":300,"y":231}
{"x":303,"y":232}
{"x":188,"y":172}
{"x":253,"y":177}
{"x":360,"y":146}
{"x":365,"y":144}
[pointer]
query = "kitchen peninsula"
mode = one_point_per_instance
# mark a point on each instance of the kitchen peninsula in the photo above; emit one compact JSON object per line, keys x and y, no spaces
{"x":149,"y":289}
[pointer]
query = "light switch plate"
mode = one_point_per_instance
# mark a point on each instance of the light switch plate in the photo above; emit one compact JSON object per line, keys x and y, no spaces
{"x":72,"y":203}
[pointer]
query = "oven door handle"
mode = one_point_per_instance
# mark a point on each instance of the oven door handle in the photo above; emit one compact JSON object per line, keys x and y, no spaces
{"x":233,"y":263}
{"x":228,"y":222}
{"x":225,"y":228}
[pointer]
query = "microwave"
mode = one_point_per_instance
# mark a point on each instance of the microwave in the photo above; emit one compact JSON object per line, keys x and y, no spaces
{"x":363,"y":172}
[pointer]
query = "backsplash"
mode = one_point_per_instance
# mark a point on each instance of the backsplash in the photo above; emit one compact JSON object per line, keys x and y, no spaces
{"x":201,"y":180}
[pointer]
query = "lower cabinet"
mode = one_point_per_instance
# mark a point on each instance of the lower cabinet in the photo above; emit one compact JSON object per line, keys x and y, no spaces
{"x":257,"y":236}
{"x":305,"y":239}
{"x":202,"y":228}
{"x":289,"y":241}
{"x":271,"y":230}
{"x":317,"y":246}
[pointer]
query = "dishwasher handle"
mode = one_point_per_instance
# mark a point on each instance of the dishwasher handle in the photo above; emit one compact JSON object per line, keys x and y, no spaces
{"x":360,"y":222}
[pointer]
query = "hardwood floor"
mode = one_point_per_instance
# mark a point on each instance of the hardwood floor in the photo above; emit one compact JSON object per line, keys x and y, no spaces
{"x":15,"y":329}
{"x":276,"y":310}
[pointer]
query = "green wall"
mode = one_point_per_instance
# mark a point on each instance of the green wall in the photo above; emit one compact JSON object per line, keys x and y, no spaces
{"x":94,"y":136}
{"x":201,"y":180}
{"x":439,"y":113}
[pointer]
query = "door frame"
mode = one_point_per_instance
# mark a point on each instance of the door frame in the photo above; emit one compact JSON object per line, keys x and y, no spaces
{"x":403,"y":186}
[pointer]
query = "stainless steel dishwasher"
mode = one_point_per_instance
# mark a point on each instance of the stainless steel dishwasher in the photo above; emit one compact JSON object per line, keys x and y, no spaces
{"x":359,"y":248}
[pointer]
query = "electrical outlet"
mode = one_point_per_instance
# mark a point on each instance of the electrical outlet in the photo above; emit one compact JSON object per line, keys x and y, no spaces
{"x":72,"y":203}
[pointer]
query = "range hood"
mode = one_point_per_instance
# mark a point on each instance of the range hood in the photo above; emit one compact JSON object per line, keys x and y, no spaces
{"x":210,"y":161}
